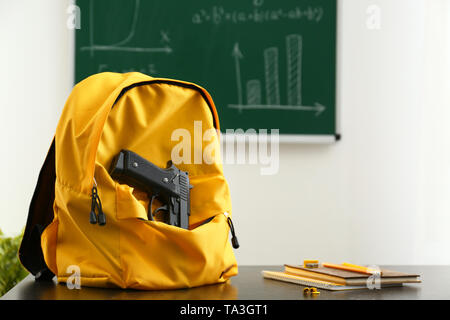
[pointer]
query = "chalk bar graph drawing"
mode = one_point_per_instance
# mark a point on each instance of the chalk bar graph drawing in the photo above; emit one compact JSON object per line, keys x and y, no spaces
{"x":294,"y":48}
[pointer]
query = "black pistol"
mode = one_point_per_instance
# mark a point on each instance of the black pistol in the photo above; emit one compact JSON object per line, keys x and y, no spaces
{"x":170,"y":185}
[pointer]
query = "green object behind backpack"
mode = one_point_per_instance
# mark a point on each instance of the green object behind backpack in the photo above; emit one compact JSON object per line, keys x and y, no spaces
{"x":11,"y":271}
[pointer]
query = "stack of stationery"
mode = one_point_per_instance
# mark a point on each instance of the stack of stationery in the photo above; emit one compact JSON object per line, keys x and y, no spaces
{"x":341,"y":276}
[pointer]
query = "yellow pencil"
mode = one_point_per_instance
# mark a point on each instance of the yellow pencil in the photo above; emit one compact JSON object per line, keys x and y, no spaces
{"x":364,"y":269}
{"x":346,"y":268}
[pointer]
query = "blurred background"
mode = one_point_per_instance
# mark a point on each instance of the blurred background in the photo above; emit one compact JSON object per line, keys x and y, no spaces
{"x":380,"y":195}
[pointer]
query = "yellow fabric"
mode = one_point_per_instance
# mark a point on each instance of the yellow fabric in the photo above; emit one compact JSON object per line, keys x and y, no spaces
{"x":130,"y":251}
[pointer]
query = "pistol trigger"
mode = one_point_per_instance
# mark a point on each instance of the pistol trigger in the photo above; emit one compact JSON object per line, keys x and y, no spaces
{"x":163,"y":208}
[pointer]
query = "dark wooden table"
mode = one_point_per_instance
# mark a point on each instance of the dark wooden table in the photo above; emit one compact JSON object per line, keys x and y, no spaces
{"x":248,"y":285}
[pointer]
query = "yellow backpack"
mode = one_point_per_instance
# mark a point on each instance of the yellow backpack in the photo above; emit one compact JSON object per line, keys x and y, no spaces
{"x":104,"y":114}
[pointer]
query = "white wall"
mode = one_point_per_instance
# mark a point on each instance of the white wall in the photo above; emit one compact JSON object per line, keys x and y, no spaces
{"x":381,"y":195}
{"x":378,"y":196}
{"x":34,"y":84}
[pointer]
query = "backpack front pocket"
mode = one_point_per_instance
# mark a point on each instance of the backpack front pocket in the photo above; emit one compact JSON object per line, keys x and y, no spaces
{"x":155,"y":255}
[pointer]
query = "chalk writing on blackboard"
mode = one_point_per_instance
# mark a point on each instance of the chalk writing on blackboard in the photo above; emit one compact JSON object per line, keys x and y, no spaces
{"x":254,"y":101}
{"x":122,"y":44}
{"x":218,"y":15}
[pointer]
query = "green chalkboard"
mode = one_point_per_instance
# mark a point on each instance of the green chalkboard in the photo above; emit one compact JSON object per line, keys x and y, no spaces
{"x":266,"y":63}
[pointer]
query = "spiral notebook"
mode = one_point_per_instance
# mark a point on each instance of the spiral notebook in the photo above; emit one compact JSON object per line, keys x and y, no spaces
{"x":282,"y":276}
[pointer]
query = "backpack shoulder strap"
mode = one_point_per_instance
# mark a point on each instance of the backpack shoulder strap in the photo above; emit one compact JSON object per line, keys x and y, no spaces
{"x":40,"y":215}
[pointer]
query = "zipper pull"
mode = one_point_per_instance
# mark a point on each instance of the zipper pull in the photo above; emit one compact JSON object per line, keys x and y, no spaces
{"x":92,"y":215}
{"x":234,"y":239}
{"x":101,"y":214}
{"x":96,"y":203}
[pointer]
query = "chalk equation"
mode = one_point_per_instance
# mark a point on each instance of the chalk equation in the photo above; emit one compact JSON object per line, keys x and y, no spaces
{"x":219,"y":15}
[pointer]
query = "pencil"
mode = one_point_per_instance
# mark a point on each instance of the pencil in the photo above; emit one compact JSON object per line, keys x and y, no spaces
{"x":347,"y":268}
{"x":369,"y":270}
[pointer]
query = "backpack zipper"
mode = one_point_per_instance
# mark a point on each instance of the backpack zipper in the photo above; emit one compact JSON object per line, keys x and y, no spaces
{"x":175,"y":83}
{"x":96,"y":203}
{"x":234,"y":239}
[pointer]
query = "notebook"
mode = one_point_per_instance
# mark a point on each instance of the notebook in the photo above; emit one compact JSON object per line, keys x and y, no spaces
{"x":349,"y":278}
{"x":283,"y":276}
